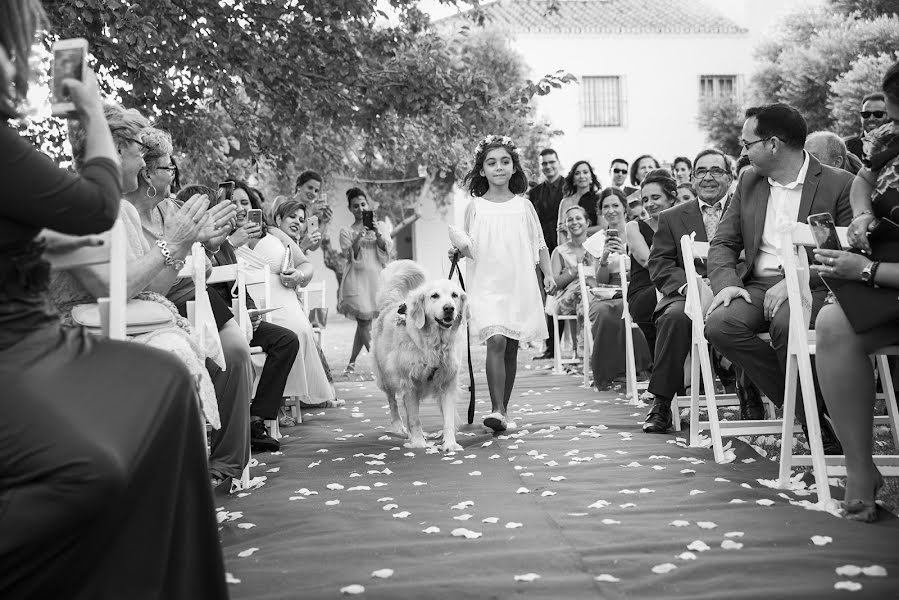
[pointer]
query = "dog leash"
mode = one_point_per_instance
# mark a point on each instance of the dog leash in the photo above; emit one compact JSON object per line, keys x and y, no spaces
{"x":456,"y":269}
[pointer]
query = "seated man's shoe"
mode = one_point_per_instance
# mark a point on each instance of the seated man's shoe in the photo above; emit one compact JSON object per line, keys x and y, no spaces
{"x":260,"y":440}
{"x":751,"y":406}
{"x":659,"y":418}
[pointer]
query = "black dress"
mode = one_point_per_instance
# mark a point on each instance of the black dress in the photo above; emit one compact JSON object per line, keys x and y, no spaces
{"x":641,"y":294}
{"x":104,"y":488}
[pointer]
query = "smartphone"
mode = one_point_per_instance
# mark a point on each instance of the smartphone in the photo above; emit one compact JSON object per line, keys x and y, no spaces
{"x":368,"y":219}
{"x":611,"y":232}
{"x":226,"y":191}
{"x":312,"y":224}
{"x":254,"y":215}
{"x":824,"y":231}
{"x":69,"y":62}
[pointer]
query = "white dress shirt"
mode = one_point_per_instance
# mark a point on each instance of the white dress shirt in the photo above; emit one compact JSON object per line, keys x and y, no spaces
{"x":783,"y":205}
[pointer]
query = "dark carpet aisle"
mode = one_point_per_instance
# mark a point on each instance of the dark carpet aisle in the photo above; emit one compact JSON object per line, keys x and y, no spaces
{"x":577,"y":503}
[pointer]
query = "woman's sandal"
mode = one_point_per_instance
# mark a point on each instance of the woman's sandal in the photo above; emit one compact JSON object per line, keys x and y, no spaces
{"x":858,"y":510}
{"x":350,"y":369}
{"x":495,"y":421}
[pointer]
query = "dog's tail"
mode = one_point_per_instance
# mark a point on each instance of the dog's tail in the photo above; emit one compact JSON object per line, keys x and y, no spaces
{"x":397,"y":280}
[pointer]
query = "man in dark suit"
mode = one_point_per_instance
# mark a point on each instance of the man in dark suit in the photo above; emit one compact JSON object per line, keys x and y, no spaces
{"x":711,"y":177}
{"x":785,"y":183}
{"x":546,"y":198}
{"x":872,"y":115}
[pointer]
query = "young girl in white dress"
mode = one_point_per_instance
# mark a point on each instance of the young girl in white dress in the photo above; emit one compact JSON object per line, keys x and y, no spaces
{"x":506,"y":242}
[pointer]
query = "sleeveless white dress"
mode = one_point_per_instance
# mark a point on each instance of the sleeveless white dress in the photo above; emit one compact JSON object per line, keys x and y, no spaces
{"x":307,"y":379}
{"x":504,"y":294}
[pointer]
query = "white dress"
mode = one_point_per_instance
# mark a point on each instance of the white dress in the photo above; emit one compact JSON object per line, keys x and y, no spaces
{"x":504,"y":294}
{"x":307,"y":379}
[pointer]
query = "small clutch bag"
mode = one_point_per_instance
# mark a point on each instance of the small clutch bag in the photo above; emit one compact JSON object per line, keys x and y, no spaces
{"x":141,"y":316}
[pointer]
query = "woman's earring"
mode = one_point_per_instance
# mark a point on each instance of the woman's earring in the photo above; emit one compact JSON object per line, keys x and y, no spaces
{"x":154,"y":194}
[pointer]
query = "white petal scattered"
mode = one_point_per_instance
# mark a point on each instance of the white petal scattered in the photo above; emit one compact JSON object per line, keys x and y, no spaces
{"x":849,"y":570}
{"x":490,"y":520}
{"x":606,"y":577}
{"x":401,"y":515}
{"x":247,"y":552}
{"x":696,"y":492}
{"x":686,"y":556}
{"x":466,"y":533}
{"x":610,"y":522}
{"x":462,"y":505}
{"x":764,"y":502}
{"x":431,"y":529}
{"x":513,"y":525}
{"x":599,"y":504}
{"x":698,"y":546}
{"x":731,"y":545}
{"x":733,"y":534}
{"x":417,"y":483}
{"x":685,"y":471}
{"x":557,"y":478}
{"x":851,"y":586}
{"x":332,"y":502}
{"x":464,"y":517}
{"x":821,"y":540}
{"x":475,"y":473}
{"x":246,"y":525}
{"x":628,"y":505}
{"x":706,"y":524}
{"x":679,"y":523}
{"x":229,"y":578}
{"x":527,"y":577}
{"x":647,"y":491}
{"x":874,"y":571}
{"x":548,"y":493}
{"x":522,"y":490}
{"x":359,"y":488}
{"x":385,"y":499}
{"x":664,"y":568}
{"x":390,"y":506}
{"x":352,"y":589}
{"x":382,"y":573}
{"x":334,"y":486}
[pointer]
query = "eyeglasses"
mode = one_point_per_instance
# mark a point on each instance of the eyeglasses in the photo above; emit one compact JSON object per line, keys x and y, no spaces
{"x":746,"y":145}
{"x":172,"y":169}
{"x":145,"y":147}
{"x":715,"y":172}
{"x":877,"y":114}
{"x":619,"y":171}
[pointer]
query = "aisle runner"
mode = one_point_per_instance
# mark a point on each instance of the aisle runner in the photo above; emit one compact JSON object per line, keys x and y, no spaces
{"x":578,"y":503}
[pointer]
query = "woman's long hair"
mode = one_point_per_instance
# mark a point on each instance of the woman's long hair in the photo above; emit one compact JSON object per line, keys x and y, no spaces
{"x":570,"y":188}
{"x":19,"y":21}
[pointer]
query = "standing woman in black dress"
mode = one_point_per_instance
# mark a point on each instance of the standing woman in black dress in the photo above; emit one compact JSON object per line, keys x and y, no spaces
{"x":103,"y":484}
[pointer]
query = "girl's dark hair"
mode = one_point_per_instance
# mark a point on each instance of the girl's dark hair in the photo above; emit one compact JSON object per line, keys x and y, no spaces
{"x":891,"y":83}
{"x":185,"y":193}
{"x":664,"y":180}
{"x":569,"y":186}
{"x":354,"y":192}
{"x":478,"y":184}
{"x":306,"y":176}
{"x":611,"y":191}
{"x":286,"y":208}
{"x":636,"y":165}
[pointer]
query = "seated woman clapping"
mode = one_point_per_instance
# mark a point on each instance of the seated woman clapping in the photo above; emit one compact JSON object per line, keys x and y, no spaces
{"x":608,"y":359}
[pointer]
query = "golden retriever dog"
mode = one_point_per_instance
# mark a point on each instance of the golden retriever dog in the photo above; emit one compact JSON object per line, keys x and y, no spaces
{"x":414,"y":347}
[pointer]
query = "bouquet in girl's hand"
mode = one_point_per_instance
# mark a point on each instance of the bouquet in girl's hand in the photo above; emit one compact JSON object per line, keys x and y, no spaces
{"x":461,"y":240}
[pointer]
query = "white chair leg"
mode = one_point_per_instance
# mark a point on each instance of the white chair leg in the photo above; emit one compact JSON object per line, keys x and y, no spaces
{"x":273,"y":430}
{"x":889,"y":394}
{"x":557,"y":344}
{"x":813,"y":425}
{"x":705,"y":363}
{"x":789,"y":417}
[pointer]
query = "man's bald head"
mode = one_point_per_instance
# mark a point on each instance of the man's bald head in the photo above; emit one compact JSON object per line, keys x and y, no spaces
{"x":827,"y":147}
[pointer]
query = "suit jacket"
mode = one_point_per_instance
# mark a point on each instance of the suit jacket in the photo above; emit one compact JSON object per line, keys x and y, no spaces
{"x":825,"y":189}
{"x":666,"y":261}
{"x":546,"y":198}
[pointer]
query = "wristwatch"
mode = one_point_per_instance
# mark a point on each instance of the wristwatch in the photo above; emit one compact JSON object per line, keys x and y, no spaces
{"x":869,"y":271}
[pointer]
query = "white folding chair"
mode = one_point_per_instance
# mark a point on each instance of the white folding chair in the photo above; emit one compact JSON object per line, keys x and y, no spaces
{"x":558,"y":360}
{"x":701,"y":368}
{"x":314,"y":287}
{"x":112,"y":308}
{"x":633,"y":388}
{"x":587,"y":330}
{"x":800,"y":348}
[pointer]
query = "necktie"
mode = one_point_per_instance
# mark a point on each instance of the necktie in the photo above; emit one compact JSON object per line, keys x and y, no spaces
{"x":710,"y":217}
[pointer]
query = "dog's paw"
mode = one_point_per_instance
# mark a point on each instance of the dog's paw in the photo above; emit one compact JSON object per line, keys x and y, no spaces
{"x":451,"y":447}
{"x":398,"y":428}
{"x":418,"y":443}
{"x":434,"y":435}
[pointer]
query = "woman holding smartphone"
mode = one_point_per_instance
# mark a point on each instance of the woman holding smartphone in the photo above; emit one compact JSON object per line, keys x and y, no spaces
{"x":366,"y":246}
{"x":91,"y":506}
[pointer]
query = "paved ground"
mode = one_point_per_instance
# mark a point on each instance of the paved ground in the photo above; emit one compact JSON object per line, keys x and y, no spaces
{"x":575,"y":504}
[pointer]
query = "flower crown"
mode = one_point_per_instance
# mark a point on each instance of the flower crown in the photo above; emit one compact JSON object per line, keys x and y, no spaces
{"x":504,"y":140}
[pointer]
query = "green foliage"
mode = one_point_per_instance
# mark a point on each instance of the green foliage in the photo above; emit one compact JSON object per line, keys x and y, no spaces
{"x":812,"y":50}
{"x":867,"y":9}
{"x":722,"y":120}
{"x":850,"y":87}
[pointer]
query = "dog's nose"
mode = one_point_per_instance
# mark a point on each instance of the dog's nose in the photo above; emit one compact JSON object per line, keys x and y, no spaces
{"x":449,"y":309}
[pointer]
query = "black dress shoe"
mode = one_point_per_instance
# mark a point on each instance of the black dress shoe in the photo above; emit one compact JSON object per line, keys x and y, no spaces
{"x":659,"y":418}
{"x":548,"y":355}
{"x":751,"y":406}
{"x":260,"y":440}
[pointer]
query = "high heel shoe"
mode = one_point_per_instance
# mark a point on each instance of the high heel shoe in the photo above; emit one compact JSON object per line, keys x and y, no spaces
{"x":858,"y":510}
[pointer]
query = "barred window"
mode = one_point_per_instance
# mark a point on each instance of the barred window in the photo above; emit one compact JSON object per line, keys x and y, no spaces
{"x":601,"y":101}
{"x":718,"y":86}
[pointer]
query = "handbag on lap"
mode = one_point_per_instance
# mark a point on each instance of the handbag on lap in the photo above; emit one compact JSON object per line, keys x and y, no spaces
{"x":141,"y":316}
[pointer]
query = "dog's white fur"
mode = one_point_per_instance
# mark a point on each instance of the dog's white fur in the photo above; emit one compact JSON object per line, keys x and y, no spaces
{"x":415,"y":354}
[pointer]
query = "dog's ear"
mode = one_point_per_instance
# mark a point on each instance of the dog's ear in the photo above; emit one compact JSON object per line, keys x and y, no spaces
{"x":416,"y":309}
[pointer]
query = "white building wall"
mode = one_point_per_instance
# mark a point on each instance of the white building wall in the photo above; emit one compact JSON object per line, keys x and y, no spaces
{"x":660,"y":90}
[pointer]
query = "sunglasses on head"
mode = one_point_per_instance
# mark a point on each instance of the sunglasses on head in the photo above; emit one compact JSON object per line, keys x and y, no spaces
{"x":877,"y":114}
{"x":619,"y":171}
